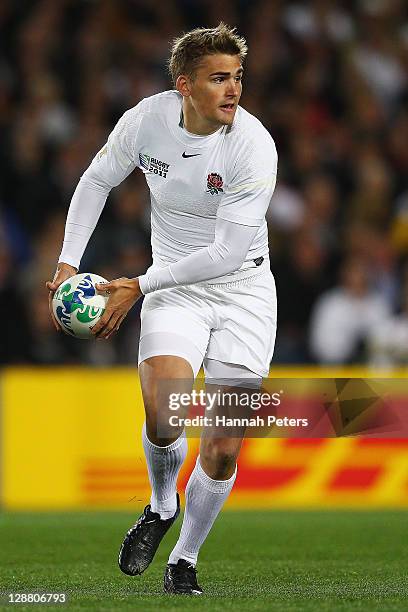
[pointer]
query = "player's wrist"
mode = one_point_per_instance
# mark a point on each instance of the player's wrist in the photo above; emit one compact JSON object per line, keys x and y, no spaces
{"x":135,"y":285}
{"x":62,"y":265}
{"x":143,"y":284}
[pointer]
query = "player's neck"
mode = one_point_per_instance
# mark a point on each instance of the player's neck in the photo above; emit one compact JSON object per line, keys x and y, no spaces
{"x":195,"y":124}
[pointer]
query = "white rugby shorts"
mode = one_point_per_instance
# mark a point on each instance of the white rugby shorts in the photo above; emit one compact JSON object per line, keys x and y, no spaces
{"x":233,"y":322}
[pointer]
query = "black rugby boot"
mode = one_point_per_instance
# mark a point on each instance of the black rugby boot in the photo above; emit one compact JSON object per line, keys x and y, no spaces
{"x":143,"y":539}
{"x":181,"y":579}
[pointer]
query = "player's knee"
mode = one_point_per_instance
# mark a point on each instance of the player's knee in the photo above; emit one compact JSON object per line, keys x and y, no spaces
{"x":219,"y":459}
{"x":158,"y":430}
{"x":157,"y":422}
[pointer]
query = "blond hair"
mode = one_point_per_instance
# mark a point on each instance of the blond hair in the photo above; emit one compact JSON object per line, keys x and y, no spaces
{"x":188,"y":50}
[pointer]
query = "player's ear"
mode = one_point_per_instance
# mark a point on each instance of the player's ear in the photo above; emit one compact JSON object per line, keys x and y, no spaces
{"x":183,"y":85}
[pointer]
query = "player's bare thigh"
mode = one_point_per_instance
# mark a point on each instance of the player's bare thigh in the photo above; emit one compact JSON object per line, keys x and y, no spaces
{"x":156,"y":377}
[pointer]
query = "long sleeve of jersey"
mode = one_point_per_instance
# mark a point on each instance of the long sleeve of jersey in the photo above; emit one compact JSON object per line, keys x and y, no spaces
{"x":114,"y":162}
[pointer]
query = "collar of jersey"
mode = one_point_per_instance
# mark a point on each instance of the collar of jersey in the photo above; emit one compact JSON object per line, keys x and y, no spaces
{"x":195,"y":141}
{"x":192,"y":141}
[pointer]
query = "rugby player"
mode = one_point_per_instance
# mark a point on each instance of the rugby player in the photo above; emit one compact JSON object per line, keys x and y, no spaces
{"x":209,"y":296}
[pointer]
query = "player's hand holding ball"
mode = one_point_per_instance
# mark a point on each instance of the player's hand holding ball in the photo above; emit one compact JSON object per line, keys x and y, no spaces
{"x":77,"y":305}
{"x":87,"y":305}
{"x":123,"y":294}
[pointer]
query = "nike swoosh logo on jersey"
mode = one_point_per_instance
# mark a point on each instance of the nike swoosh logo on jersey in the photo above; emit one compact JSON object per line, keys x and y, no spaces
{"x":185,"y":155}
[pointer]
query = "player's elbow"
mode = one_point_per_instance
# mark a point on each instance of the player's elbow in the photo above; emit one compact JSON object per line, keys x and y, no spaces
{"x":232,"y":263}
{"x":91,"y":180}
{"x":226,"y":257}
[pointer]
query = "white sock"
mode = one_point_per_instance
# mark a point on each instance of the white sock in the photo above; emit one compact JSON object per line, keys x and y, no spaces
{"x":204,"y":499}
{"x":163,"y":465}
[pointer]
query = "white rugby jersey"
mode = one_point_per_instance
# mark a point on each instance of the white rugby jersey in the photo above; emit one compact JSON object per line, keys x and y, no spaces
{"x":193,"y":181}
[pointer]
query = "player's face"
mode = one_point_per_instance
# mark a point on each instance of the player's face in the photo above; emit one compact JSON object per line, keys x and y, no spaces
{"x":211,"y":97}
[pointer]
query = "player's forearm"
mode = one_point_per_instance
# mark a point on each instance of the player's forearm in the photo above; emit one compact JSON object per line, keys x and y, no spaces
{"x":225,"y":255}
{"x":195,"y":268}
{"x":86,"y":206}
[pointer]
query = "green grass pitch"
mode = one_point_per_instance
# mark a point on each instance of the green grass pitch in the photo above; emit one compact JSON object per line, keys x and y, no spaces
{"x":283,"y":561}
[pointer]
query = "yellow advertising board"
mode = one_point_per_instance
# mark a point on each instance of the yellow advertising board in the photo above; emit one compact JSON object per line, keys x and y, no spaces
{"x":71,"y":438}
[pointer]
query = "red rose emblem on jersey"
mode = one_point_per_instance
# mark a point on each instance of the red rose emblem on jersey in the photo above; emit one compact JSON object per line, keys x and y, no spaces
{"x":214,"y":183}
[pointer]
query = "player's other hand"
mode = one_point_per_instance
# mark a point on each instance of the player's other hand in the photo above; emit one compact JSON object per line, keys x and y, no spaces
{"x":62,"y":272}
{"x":124,"y":293}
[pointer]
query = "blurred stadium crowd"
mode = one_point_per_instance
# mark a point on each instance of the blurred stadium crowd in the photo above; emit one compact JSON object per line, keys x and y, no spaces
{"x":329,"y":81}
